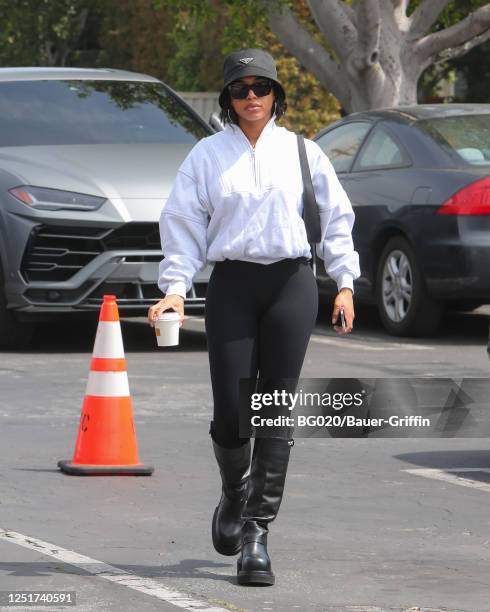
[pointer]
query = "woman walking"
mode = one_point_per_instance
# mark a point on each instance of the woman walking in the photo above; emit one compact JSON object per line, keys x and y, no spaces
{"x":237,"y":202}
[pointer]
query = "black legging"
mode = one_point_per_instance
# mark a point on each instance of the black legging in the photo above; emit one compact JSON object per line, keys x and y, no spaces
{"x":259,"y":318}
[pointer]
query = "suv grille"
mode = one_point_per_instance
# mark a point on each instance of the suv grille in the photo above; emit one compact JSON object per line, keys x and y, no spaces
{"x":55,"y":253}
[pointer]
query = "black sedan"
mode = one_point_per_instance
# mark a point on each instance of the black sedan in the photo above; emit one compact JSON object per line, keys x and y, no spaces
{"x":418,"y":178}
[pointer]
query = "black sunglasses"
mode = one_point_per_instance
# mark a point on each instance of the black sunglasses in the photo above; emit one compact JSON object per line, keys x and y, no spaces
{"x":239,"y":91}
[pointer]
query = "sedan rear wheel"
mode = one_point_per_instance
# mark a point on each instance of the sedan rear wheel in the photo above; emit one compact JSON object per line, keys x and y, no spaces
{"x":397,"y":285}
{"x":404,"y":306}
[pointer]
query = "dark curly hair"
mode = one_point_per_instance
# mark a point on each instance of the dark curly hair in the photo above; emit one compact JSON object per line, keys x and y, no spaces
{"x":228,"y":115}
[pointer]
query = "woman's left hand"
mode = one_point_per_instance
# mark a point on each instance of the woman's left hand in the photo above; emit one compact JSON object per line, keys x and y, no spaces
{"x":344,"y":302}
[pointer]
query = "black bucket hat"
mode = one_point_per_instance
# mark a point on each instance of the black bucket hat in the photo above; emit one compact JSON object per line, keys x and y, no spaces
{"x":248,"y":62}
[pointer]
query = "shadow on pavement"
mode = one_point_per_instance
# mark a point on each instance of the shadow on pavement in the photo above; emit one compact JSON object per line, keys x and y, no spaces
{"x":79,"y":336}
{"x":36,"y":470}
{"x":461,"y":328}
{"x":472,"y":465}
{"x":72,"y":335}
{"x":186,"y":568}
{"x":450,"y":459}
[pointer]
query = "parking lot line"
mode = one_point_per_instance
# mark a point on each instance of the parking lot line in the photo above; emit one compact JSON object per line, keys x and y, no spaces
{"x":451,"y":475}
{"x":106,"y":571}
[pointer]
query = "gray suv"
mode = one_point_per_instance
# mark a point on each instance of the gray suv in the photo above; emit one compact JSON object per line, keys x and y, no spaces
{"x":87,"y":158}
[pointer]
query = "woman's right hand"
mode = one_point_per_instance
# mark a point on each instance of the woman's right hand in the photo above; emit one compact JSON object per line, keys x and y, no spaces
{"x":170,"y":302}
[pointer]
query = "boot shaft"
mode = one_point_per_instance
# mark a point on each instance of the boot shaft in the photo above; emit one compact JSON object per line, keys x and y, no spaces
{"x":233,"y":464}
{"x":267,"y":479}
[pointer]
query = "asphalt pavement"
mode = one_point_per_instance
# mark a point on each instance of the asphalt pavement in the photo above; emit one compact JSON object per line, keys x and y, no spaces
{"x":366,"y":525}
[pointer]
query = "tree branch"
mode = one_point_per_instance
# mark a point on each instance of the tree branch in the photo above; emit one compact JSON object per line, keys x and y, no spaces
{"x":454,"y":52}
{"x":50,"y":52}
{"x":82,"y":22}
{"x":348,"y":11}
{"x":308,"y":51}
{"x":424,"y":17}
{"x":400,"y":9}
{"x":334,"y":24}
{"x":476,"y":24}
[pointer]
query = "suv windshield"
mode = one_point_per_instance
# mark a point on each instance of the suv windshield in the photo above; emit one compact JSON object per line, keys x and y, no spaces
{"x":468,"y":136}
{"x":93,"y":112}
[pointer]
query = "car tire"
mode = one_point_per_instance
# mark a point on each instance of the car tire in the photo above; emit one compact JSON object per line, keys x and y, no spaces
{"x":404,"y":307}
{"x":14,"y":334}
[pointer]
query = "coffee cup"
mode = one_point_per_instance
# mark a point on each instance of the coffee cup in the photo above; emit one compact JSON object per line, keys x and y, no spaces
{"x":167,"y":329}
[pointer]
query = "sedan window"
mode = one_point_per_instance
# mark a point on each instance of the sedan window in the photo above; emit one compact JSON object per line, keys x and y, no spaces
{"x":381,"y":151}
{"x":468,"y":136}
{"x":342,"y":143}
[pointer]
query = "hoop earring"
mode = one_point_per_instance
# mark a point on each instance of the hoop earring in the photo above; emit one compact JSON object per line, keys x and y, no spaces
{"x":230,"y":119}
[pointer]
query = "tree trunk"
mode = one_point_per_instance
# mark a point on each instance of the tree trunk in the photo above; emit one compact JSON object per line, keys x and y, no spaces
{"x":378,"y":52}
{"x":55,"y":52}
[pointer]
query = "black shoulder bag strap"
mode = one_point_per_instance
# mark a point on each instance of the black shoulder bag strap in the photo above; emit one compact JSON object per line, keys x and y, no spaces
{"x":311,"y":216}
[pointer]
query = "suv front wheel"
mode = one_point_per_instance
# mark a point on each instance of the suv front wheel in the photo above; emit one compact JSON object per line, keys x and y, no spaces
{"x":14,"y":334}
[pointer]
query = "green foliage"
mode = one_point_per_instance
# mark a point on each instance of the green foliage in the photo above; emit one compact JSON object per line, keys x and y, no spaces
{"x":455,"y":11}
{"x":245,"y":27}
{"x":429,"y":83}
{"x":183,"y":42}
{"x":475,"y":68}
{"x":196,"y":63}
{"x":206,"y":30}
{"x":41,"y":32}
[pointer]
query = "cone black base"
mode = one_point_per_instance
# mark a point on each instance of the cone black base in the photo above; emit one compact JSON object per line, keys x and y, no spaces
{"x":76,"y":469}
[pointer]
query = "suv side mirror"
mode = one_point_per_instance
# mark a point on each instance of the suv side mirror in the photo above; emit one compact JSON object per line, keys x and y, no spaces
{"x":215,"y":122}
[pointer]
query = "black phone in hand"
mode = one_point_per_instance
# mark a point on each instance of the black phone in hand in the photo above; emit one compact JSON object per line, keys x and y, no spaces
{"x":340,"y":322}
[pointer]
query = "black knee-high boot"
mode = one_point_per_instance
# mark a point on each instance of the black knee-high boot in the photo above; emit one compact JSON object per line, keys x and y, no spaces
{"x":266,"y":486}
{"x":234,"y":467}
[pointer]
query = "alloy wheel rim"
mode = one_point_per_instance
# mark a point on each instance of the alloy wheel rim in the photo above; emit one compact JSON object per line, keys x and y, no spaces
{"x":397,"y":286}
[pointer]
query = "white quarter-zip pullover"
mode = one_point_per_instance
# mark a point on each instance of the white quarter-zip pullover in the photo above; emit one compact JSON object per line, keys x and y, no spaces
{"x":234,"y":201}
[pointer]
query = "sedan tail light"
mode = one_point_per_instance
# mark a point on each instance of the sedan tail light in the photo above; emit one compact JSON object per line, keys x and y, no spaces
{"x":474,"y":199}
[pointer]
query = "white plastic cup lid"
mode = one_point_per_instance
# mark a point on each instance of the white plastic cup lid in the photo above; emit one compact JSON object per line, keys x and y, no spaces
{"x":169,"y":316}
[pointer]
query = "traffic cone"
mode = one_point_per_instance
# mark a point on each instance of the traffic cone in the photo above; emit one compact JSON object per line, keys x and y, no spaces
{"x":106,"y":441}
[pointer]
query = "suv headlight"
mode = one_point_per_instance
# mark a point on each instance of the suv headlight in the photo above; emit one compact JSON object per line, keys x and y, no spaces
{"x":55,"y":199}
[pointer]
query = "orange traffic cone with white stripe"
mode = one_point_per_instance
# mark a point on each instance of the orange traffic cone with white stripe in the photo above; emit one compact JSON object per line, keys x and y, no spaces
{"x":106,"y":441}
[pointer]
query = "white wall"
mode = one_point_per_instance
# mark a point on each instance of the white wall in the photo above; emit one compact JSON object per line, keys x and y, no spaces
{"x":204,"y":103}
